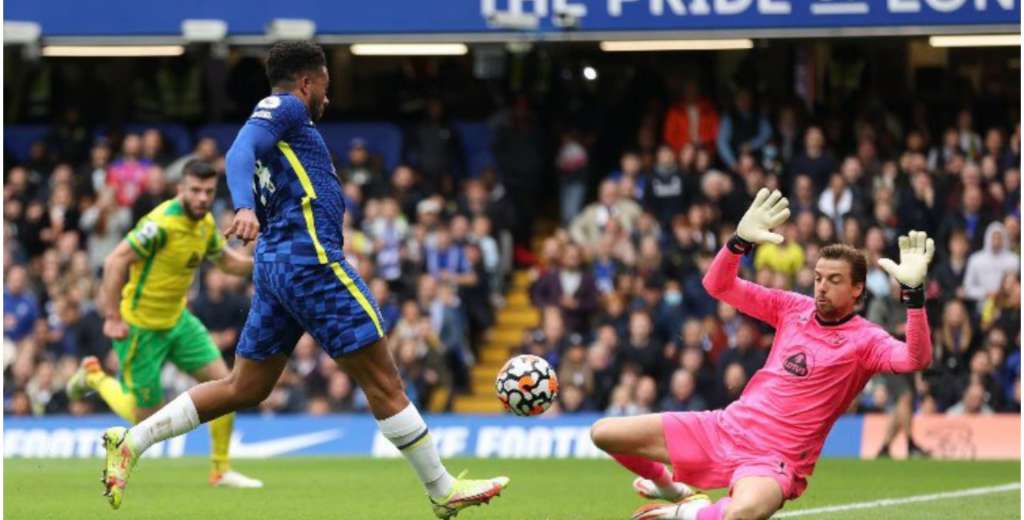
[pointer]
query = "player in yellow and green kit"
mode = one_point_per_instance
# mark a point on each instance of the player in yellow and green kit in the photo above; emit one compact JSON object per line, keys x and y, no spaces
{"x":145,"y":281}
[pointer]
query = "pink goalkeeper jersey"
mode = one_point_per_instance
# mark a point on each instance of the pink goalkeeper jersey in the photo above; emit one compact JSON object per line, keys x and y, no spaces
{"x":814,"y":371}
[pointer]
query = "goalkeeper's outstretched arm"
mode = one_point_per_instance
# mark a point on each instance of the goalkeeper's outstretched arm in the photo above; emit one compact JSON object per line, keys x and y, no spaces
{"x":721,"y":281}
{"x":890,"y":354}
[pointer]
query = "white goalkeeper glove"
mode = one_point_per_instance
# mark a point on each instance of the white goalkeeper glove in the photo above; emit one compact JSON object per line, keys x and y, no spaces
{"x":768,"y":211}
{"x":916,"y":251}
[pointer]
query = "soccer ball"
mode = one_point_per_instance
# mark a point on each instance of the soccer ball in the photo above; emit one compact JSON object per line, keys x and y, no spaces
{"x":527,"y":385}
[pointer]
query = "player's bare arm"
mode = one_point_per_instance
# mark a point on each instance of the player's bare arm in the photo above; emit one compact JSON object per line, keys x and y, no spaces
{"x":235,"y":262}
{"x":115,"y":274}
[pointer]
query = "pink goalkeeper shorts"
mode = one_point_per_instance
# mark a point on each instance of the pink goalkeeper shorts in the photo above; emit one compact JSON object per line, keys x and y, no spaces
{"x":706,"y":455}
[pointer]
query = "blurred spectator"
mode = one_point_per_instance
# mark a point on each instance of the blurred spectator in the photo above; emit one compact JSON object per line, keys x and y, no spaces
{"x":518,"y":151}
{"x":21,"y":310}
{"x":568,"y":287}
{"x":222,"y":310}
{"x":681,"y":394}
{"x":742,"y":130}
{"x":127,"y":173}
{"x":434,"y":149}
{"x":815,"y":161}
{"x":571,"y":162}
{"x":973,"y":402}
{"x":586,"y":229}
{"x":641,"y":347}
{"x":985,"y":268}
{"x":971,"y":217}
{"x":692,"y":119}
{"x":105,"y":224}
{"x":154,"y":192}
{"x":154,"y":148}
{"x":631,"y":168}
{"x":205,"y":150}
{"x":666,"y":196}
{"x":970,"y":141}
{"x":888,"y":311}
{"x":1002,"y":309}
{"x":785,"y":258}
{"x":949,"y":273}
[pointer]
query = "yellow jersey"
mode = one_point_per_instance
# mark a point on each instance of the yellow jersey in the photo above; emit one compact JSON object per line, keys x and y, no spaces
{"x":170,"y":246}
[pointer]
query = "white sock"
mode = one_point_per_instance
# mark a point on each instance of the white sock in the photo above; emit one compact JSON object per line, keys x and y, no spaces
{"x":178,"y":417}
{"x":407,"y":431}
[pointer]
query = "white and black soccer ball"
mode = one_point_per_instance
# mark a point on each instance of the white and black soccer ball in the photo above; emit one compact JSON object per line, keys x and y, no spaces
{"x":527,"y":385}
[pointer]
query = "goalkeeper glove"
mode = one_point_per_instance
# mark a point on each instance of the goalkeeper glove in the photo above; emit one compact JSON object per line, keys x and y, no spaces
{"x":916,"y":251}
{"x":768,"y":211}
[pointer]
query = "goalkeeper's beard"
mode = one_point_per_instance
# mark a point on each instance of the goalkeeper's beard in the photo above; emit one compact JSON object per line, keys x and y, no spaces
{"x":825,"y":309}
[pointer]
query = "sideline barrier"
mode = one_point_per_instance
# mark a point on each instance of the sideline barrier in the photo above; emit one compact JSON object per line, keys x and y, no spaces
{"x":993,"y":437}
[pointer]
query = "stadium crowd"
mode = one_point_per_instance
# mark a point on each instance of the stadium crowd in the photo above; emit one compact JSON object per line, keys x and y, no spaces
{"x":623,"y":314}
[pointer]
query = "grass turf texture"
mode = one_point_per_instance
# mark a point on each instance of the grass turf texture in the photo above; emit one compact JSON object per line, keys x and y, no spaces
{"x":299,"y":488}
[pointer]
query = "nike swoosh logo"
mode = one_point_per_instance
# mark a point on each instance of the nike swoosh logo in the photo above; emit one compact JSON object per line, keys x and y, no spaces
{"x":281,"y":445}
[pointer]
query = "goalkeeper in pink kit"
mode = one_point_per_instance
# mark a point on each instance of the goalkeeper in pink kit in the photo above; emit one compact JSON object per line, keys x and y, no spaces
{"x":764,"y":445}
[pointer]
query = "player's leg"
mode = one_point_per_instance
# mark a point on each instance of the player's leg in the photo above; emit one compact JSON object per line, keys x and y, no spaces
{"x":90,"y":377}
{"x":338,"y":311}
{"x":137,"y":392}
{"x":752,"y":498}
{"x":638,"y":443}
{"x":247,"y":385}
{"x":400,"y":422}
{"x":269,"y":335}
{"x":193,"y":351}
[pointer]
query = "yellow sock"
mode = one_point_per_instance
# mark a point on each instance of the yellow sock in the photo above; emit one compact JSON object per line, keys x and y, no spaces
{"x":110,"y":389}
{"x":220,"y":441}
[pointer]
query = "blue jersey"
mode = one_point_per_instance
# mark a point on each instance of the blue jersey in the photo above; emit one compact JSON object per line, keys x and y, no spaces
{"x":297,"y":194}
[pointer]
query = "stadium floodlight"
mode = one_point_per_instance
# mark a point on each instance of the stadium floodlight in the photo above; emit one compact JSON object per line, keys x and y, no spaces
{"x":976,"y":40}
{"x":204,"y":30}
{"x":677,"y":45}
{"x":21,"y":33}
{"x":409,"y":49}
{"x":111,"y":51}
{"x":291,"y":29}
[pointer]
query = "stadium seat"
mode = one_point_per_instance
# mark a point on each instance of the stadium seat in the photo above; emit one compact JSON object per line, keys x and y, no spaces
{"x":383,"y":139}
{"x":477,"y":138}
{"x":18,"y":139}
{"x":223,"y":133}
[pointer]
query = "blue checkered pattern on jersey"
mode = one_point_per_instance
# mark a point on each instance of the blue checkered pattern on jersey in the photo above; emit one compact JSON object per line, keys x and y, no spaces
{"x":281,"y":185}
{"x":290,"y":299}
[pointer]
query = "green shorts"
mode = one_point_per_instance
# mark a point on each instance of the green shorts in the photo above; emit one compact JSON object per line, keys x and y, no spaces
{"x":143,"y":353}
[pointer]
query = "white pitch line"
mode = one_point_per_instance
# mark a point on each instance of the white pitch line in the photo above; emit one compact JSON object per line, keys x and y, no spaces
{"x":886,"y":502}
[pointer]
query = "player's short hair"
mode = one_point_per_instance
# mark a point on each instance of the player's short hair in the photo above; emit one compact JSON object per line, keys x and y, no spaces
{"x":851,"y":255}
{"x":199,"y":169}
{"x":286,"y":59}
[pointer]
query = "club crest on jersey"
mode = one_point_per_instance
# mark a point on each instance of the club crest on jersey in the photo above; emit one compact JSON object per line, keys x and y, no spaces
{"x":193,"y":261}
{"x":797,"y":365}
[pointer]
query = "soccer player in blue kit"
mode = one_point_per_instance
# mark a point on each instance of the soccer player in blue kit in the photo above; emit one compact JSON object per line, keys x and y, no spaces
{"x":285,"y":190}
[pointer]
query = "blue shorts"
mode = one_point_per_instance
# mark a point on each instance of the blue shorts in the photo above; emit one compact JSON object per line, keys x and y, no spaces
{"x":330,"y":301}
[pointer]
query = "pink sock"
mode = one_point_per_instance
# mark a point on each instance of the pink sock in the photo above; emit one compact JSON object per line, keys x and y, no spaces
{"x":646,"y":468}
{"x":715,"y":511}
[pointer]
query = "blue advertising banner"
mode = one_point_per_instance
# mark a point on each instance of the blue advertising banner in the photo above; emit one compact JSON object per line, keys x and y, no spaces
{"x":396,"y":17}
{"x":352,"y":435}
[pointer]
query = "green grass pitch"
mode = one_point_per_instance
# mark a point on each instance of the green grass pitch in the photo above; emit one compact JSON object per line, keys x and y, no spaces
{"x":343,"y":488}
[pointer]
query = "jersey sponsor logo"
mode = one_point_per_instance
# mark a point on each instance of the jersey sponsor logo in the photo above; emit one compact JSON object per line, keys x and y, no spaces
{"x":797,"y":364}
{"x":269,"y":102}
{"x":263,"y":114}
